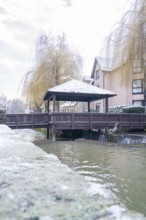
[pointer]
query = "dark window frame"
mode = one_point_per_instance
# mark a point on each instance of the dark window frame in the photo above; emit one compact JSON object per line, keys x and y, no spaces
{"x":142,"y":102}
{"x":97,"y":74}
{"x":135,"y":87}
{"x":97,"y":107}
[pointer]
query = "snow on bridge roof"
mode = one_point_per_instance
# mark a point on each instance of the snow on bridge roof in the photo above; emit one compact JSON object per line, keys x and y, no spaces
{"x":75,"y":90}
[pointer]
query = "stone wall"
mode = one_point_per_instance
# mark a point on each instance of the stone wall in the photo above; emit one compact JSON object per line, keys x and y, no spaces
{"x":35,"y":185}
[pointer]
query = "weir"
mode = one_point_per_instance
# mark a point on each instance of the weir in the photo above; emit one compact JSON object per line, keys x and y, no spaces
{"x":127,"y":138}
{"x":131,"y":139}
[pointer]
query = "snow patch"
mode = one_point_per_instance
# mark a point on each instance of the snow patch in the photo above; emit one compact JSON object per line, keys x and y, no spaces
{"x":97,"y":189}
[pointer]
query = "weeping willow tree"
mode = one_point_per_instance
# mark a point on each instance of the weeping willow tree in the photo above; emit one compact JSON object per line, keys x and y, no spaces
{"x":56,"y":62}
{"x":126,"y":44}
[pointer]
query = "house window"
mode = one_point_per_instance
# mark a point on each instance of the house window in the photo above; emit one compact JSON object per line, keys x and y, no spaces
{"x":137,"y":66}
{"x":137,"y":102}
{"x":137,"y":86}
{"x":97,"y":74}
{"x":97,"y":108}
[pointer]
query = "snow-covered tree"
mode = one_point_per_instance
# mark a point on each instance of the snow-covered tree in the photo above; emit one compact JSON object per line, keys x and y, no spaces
{"x":16,"y":106}
{"x":3,"y":102}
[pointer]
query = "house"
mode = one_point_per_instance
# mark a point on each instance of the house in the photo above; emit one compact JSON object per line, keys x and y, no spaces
{"x":122,"y":66}
{"x":127,"y":86}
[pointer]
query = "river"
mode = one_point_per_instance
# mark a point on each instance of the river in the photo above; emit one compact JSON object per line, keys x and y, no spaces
{"x":119,"y":169}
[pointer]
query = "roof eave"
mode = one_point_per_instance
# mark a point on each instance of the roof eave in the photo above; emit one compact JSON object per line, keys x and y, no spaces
{"x":82,"y":97}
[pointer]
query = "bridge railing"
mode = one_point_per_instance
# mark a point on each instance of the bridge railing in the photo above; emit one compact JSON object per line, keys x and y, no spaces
{"x":27,"y":120}
{"x":68,"y":120}
{"x":97,"y":120}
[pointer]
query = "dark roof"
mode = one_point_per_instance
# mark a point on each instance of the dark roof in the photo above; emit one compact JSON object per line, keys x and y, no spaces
{"x":75,"y":90}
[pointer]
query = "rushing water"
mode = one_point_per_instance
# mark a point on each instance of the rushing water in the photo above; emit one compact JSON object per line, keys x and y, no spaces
{"x":121,"y":170}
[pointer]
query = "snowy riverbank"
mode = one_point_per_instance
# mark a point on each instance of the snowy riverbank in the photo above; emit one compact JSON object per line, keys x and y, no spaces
{"x":37,"y":186}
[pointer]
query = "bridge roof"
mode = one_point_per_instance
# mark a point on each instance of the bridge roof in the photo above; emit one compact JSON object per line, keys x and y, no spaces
{"x":75,"y":90}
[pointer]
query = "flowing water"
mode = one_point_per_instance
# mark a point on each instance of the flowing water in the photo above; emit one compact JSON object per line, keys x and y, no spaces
{"x":121,"y":170}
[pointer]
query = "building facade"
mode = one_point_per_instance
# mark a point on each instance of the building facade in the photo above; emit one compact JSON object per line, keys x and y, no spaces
{"x":128,"y":87}
{"x":124,"y":71}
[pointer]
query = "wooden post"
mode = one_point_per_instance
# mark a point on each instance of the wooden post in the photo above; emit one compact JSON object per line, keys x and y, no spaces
{"x":53,"y":133}
{"x":48,"y":129}
{"x":88,"y":106}
{"x":48,"y":106}
{"x":91,"y":122}
{"x":53,"y":130}
{"x":72,"y":121}
{"x":106,"y":110}
{"x":16,"y":121}
{"x":106,"y":105}
{"x":54,"y":102}
{"x":32,"y":118}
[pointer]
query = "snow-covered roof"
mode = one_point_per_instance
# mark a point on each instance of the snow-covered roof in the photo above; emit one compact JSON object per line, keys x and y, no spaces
{"x":75,"y":90}
{"x":76,"y":86}
{"x":68,"y":104}
{"x":87,"y":78}
{"x":105,"y":63}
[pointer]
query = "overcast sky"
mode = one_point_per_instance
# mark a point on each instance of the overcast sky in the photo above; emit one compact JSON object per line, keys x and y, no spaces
{"x":85,"y":22}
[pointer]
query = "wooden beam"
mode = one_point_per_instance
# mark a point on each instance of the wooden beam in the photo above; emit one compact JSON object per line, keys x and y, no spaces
{"x":50,"y":98}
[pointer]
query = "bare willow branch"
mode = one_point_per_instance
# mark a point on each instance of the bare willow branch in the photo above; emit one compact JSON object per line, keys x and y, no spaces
{"x":56,"y":62}
{"x":126,"y":40}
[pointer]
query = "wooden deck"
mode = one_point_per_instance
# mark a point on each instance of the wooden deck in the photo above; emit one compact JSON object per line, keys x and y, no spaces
{"x":64,"y":121}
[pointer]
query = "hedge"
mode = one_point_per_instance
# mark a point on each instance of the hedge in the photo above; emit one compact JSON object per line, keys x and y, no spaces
{"x":127,"y":109}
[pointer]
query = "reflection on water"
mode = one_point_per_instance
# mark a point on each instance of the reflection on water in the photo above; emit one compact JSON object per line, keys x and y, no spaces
{"x":121,"y":170}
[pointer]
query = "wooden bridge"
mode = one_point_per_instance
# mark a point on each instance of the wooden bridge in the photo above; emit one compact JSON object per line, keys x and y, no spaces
{"x":78,"y":91}
{"x":75,"y":121}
